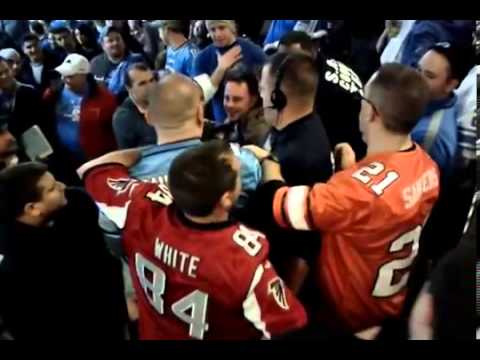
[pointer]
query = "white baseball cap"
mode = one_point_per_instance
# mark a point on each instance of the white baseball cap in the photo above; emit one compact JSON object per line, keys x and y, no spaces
{"x":74,"y":64}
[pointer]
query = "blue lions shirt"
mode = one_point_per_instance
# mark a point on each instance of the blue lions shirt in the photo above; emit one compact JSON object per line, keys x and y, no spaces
{"x":180,"y":60}
{"x":156,"y":160}
{"x":68,"y":121}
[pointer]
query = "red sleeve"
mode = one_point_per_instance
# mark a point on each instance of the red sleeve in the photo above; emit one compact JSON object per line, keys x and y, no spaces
{"x":112,"y":188}
{"x":270,"y":306}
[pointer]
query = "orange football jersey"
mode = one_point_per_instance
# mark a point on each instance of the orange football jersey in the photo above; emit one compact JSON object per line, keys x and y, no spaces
{"x":370,"y":216}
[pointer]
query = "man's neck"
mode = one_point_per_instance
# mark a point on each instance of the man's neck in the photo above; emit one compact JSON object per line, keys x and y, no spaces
{"x":230,"y":43}
{"x":389,"y":143}
{"x":136,"y":103}
{"x":38,"y":61}
{"x":32,"y":221}
{"x":81,"y":92}
{"x":177,"y":41}
{"x":210,"y":219}
{"x":291,"y":114}
{"x":116,"y":59}
{"x":166,"y":136}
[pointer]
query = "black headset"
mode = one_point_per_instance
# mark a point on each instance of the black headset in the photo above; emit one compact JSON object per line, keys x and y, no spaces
{"x":278,"y":97}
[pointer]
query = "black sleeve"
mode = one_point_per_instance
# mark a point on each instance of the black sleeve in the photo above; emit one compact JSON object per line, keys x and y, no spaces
{"x":258,"y":211}
{"x":124,"y":132}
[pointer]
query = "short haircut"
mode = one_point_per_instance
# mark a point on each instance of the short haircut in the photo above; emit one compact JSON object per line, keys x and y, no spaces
{"x":298,"y":37}
{"x":244,"y":75}
{"x":199,"y":177}
{"x":177,"y":26}
{"x":30,"y":37}
{"x":37,"y":27}
{"x":19,"y":186}
{"x":141,"y":66}
{"x":109,"y":30}
{"x":460,"y":59}
{"x":400,"y":95}
{"x":300,"y":74}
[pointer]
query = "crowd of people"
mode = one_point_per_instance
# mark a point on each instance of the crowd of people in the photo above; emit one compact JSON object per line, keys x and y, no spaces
{"x":224,"y":179}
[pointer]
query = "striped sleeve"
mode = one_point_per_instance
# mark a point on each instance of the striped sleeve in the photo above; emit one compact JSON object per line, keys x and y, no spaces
{"x":291,"y":208}
{"x":333,"y":206}
{"x":270,"y":306}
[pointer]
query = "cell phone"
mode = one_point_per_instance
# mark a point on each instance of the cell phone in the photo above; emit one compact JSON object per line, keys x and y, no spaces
{"x":36,"y":144}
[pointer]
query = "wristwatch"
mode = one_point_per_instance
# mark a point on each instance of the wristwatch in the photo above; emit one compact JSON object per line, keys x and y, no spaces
{"x":270,"y":157}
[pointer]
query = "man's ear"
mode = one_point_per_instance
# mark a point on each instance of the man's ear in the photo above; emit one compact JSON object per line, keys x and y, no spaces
{"x":226,"y":201}
{"x":371,"y":114}
{"x":31,"y":209}
{"x":452,"y":85}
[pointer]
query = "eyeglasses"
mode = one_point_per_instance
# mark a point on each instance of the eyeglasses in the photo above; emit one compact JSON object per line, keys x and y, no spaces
{"x":360,"y":97}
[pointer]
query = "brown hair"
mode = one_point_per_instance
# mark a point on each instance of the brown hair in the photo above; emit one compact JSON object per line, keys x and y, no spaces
{"x":199,"y":177}
{"x":400,"y":95}
{"x":298,"y":72}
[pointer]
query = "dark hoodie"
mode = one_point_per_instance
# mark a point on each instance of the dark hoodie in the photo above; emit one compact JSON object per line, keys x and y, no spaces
{"x":60,"y":281}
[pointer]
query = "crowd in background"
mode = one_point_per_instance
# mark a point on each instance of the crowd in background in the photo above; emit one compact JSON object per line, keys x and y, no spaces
{"x":72,"y":91}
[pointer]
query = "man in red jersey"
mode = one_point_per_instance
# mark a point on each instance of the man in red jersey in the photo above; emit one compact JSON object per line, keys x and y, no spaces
{"x":197,"y":273}
{"x":371,"y":213}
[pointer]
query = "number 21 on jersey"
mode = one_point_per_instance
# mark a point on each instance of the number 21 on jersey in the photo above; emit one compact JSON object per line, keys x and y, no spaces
{"x":365,"y":174}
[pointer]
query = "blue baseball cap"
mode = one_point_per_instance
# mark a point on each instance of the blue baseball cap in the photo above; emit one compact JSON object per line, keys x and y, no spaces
{"x":58,"y":25}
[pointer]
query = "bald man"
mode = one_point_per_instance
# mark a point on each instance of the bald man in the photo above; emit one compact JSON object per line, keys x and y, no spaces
{"x":175,"y":110}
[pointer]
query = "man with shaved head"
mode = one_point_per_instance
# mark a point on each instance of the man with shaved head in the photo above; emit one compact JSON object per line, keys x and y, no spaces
{"x":175,"y":110}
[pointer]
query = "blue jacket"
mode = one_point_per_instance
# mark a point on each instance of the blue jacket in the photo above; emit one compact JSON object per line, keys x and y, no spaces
{"x":437,"y":132}
{"x":206,"y":63}
{"x":277,"y":29}
{"x":425,"y":33}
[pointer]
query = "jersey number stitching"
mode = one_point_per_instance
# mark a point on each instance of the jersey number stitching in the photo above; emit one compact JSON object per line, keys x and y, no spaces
{"x":197,"y":300}
{"x":384,"y":286}
{"x":365,"y":174}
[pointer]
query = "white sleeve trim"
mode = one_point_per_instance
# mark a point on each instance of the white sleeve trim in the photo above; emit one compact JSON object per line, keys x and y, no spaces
{"x":251,"y":307}
{"x":206,"y":85}
{"x":296,"y":207}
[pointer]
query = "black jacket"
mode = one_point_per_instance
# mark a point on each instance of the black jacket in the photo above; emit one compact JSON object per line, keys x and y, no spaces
{"x":27,"y":111}
{"x":48,"y":73}
{"x":61,"y":282}
{"x":130,"y":127}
